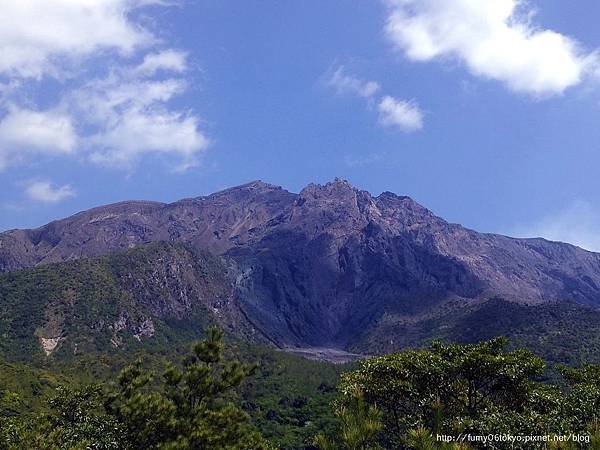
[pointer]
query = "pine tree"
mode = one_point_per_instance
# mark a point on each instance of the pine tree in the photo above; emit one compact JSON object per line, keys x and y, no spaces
{"x":191,"y":409}
{"x":360,"y":424}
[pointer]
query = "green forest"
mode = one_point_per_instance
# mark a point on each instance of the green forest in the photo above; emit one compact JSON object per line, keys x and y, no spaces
{"x":226,"y":394}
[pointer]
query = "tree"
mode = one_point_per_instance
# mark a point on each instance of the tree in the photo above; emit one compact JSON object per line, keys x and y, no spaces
{"x":584,"y":400}
{"x":582,"y":405}
{"x":191,"y":408}
{"x":75,"y":420}
{"x":448,"y":388}
{"x":360,"y":424}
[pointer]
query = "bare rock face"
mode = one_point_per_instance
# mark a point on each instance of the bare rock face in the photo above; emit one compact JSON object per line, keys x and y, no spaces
{"x":324,"y":266}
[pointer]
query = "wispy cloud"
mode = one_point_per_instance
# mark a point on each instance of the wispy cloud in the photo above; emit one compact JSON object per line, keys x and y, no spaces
{"x":494,"y":39}
{"x":345,"y":83}
{"x":578,"y":224}
{"x":361,"y":161}
{"x":46,"y":192}
{"x":403,"y":114}
{"x":393,"y":112}
{"x":170,"y":60}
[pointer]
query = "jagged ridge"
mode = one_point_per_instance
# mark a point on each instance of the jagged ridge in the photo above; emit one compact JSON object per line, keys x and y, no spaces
{"x":327,"y":265}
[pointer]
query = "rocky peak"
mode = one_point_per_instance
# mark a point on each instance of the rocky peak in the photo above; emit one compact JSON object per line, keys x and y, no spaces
{"x":337,"y":189}
{"x":337,"y":194}
{"x":336,"y":208}
{"x":339,"y":202}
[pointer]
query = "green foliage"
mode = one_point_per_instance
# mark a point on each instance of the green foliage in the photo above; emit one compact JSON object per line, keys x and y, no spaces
{"x":25,"y":388}
{"x":560,"y":332}
{"x":76,"y":419}
{"x":583,"y":403}
{"x":190,"y":407}
{"x":289,"y":398}
{"x":399,"y":401}
{"x":478,"y":389}
{"x":360,"y":424}
{"x":433,"y":388}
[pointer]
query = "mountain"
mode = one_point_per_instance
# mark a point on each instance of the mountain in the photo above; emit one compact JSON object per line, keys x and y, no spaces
{"x":331,"y":266}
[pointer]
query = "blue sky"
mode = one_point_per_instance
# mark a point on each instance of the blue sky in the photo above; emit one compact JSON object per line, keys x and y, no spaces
{"x":489,"y":115}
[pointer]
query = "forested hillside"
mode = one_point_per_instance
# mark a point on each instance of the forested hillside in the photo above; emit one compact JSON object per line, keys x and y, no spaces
{"x":236,"y":396}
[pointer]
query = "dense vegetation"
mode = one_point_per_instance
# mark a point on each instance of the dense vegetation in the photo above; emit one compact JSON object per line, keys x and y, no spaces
{"x":286,"y":397}
{"x":467,"y":391}
{"x":188,"y":407}
{"x":215,"y":398}
{"x":559,"y":332}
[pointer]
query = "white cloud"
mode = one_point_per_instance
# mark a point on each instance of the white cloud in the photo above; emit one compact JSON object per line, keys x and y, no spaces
{"x":46,"y":192}
{"x":400,"y":113}
{"x":36,"y":35}
{"x":129,"y":114}
{"x":577,"y":224}
{"x":113,"y":119}
{"x":495,"y":39}
{"x":24,"y":133}
{"x":348,"y":84}
{"x":137,"y":132}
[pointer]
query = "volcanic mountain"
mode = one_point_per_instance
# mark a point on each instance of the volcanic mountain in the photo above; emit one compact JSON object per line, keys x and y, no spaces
{"x":330,"y":266}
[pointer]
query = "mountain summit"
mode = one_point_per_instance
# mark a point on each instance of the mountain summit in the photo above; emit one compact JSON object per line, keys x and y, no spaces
{"x":332,"y":265}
